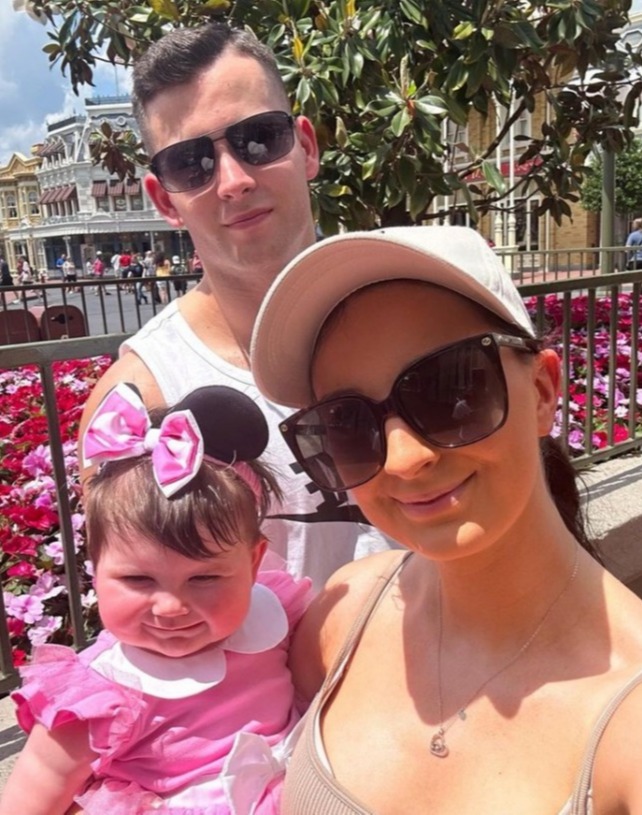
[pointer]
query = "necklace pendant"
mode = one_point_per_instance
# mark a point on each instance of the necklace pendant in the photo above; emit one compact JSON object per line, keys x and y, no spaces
{"x":438,"y":745}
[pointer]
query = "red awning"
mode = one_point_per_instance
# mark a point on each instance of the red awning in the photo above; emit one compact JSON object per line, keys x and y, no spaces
{"x":45,"y":198}
{"x":132,"y":187}
{"x":116,"y":188}
{"x":67,"y":192}
{"x":51,"y":148}
{"x":99,"y":189}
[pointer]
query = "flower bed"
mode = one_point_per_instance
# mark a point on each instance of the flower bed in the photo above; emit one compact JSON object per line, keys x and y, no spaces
{"x":31,"y":561}
{"x":627,"y":395}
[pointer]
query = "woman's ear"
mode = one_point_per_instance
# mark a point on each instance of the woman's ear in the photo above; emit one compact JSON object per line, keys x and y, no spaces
{"x":547,"y":375}
{"x":162,"y":200}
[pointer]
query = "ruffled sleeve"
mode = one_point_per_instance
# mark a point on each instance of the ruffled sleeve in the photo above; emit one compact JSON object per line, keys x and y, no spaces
{"x":57,"y":688}
{"x":295,"y":594}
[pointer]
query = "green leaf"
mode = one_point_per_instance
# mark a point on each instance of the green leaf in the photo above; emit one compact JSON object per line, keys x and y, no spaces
{"x":400,"y":122}
{"x":493,"y":177}
{"x":166,"y":8}
{"x":463,"y":31}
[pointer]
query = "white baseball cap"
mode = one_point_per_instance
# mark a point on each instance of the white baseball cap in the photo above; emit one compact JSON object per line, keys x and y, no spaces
{"x":306,"y":292}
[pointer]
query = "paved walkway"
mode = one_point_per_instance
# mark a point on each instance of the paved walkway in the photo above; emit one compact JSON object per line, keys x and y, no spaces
{"x":614,"y":495}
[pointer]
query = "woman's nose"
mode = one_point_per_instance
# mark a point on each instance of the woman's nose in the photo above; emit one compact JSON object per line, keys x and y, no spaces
{"x":406,"y":452}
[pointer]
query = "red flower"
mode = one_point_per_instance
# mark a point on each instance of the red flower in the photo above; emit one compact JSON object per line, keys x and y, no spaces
{"x":20,"y":545}
{"x":22,"y":569}
{"x":19,"y":657}
{"x":16,"y":627}
{"x":33,"y":517}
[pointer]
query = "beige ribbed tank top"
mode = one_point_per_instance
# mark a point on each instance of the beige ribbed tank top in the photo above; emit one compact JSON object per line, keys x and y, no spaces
{"x":310,"y":789}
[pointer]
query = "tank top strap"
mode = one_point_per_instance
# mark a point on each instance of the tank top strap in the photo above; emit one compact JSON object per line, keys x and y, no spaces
{"x":580,"y":802}
{"x":356,"y":629}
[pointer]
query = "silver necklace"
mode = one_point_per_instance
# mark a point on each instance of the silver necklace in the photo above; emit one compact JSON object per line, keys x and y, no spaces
{"x":438,"y":746}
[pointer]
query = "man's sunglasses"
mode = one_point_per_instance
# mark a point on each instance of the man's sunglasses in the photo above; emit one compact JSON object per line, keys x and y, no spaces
{"x":190,"y":164}
{"x":452,"y":397}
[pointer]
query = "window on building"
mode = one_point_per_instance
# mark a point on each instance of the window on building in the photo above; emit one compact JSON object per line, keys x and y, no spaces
{"x":526,"y":224}
{"x":102,"y":204}
{"x":521,"y":127}
{"x":33,"y":203}
{"x":12,"y":207}
{"x":136,"y":202}
{"x":120,"y":203}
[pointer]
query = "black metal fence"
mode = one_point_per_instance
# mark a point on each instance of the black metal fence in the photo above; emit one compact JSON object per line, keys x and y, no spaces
{"x":57,"y":310}
{"x":608,"y":322}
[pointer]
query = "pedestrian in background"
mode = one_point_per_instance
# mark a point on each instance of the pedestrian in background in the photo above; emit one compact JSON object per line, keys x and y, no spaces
{"x":180,"y":284}
{"x":634,"y":241}
{"x":162,"y":268}
{"x":5,"y":274}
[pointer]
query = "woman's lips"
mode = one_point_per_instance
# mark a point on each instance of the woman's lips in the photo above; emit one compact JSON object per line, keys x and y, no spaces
{"x":434,"y":502}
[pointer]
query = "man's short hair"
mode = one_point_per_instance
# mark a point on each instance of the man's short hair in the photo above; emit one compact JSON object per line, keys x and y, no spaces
{"x":182,"y":54}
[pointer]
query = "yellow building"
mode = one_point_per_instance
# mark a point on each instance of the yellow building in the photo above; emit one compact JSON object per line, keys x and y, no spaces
{"x":20,"y":210}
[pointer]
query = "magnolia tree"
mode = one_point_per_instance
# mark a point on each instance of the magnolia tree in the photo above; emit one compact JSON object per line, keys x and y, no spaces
{"x":381,"y":79}
{"x":628,"y":182}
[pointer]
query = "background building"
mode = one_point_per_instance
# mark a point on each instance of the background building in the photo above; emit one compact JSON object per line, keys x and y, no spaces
{"x":59,"y":202}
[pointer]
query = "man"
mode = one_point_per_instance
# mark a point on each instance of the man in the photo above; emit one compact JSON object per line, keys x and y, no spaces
{"x":60,"y":262}
{"x":230,"y":165}
{"x":634,"y":240}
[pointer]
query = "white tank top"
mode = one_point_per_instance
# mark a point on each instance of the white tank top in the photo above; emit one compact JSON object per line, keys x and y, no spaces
{"x":315,"y":532}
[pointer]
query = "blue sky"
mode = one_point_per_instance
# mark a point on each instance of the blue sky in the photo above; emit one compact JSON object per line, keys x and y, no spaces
{"x":30,"y":92}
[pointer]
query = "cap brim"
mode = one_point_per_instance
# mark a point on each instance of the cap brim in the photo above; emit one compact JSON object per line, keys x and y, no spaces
{"x":314,"y":283}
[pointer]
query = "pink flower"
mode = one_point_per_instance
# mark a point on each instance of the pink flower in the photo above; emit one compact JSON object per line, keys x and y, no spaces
{"x":24,"y":607}
{"x":38,"y":462}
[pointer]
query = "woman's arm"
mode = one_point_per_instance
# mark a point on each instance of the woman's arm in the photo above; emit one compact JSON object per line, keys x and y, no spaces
{"x":50,"y":770}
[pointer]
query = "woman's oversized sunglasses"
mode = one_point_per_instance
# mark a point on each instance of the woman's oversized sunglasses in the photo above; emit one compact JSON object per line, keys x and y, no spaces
{"x":455,"y":396}
{"x":190,"y":164}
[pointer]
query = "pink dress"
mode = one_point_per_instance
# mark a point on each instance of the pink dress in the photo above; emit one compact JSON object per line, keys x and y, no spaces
{"x":205,"y":735}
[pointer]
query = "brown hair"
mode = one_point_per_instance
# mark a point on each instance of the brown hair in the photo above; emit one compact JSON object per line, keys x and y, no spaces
{"x":183,"y":53}
{"x":123,"y":500}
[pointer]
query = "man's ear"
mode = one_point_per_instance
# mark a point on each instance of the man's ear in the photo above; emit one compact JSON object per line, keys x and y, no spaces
{"x":162,"y":200}
{"x":308,"y":140}
{"x":547,"y":375}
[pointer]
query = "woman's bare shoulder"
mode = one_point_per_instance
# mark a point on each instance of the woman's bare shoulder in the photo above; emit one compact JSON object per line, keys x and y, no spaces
{"x":331,"y":615}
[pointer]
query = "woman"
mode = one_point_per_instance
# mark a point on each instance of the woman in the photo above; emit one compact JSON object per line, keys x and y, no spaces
{"x":468,"y":674}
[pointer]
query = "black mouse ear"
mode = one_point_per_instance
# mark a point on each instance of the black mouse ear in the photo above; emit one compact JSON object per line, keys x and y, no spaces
{"x":232,"y":425}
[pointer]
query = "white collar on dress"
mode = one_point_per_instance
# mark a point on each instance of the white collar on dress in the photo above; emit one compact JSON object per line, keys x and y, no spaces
{"x":264,"y":627}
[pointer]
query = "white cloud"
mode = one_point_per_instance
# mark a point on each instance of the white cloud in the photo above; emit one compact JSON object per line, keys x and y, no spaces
{"x":31,"y":92}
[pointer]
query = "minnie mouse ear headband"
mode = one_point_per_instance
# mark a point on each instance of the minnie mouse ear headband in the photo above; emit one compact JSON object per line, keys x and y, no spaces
{"x":215,"y":422}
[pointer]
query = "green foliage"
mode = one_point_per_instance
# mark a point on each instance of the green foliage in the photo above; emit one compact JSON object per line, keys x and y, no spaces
{"x":628,"y":182}
{"x":379,"y":79}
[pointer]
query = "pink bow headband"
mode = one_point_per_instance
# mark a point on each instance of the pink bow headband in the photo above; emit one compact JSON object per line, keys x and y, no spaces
{"x":121,"y":428}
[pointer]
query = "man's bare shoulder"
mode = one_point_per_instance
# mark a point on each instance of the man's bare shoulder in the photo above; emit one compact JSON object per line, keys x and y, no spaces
{"x":129,"y":368}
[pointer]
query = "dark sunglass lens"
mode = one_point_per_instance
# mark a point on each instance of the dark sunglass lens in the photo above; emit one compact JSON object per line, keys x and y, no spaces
{"x":339,"y":443}
{"x":455,"y":397}
{"x":186,"y":165}
{"x":262,"y":139}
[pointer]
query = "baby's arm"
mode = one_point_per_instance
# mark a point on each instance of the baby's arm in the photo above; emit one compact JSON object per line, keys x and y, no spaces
{"x":50,"y":770}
